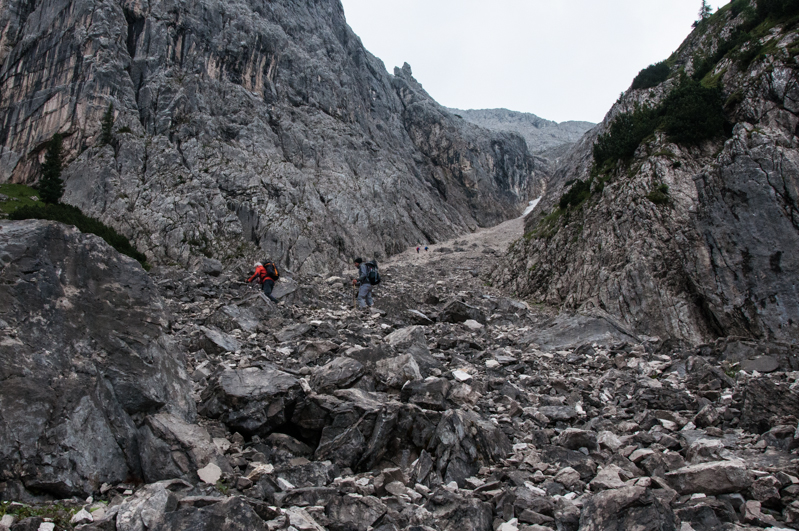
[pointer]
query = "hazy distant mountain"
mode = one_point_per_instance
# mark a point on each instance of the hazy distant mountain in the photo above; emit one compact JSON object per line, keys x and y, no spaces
{"x":544,"y":137}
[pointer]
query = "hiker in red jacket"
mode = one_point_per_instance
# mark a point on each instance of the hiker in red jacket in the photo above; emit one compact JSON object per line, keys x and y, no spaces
{"x":266,"y":275}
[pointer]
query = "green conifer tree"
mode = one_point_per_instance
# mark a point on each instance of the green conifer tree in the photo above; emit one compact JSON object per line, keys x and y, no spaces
{"x":704,"y":13}
{"x":107,"y":131}
{"x":51,"y":187}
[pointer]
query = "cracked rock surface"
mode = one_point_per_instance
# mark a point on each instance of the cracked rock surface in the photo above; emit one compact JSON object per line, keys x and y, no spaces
{"x":243,"y":125}
{"x":319,"y":416}
{"x":711,"y":258}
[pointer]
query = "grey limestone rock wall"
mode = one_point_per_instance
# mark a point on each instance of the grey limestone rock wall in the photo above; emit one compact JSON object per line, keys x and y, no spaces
{"x":85,"y":356}
{"x":243,"y":125}
{"x":714,"y":260}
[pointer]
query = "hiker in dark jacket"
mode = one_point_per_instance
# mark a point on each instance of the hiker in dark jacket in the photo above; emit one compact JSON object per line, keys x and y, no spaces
{"x":266,"y":278}
{"x":365,"y":289}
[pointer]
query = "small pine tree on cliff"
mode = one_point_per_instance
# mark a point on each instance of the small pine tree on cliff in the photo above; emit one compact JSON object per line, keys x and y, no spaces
{"x":51,"y":187}
{"x":704,"y":13}
{"x":107,"y":130}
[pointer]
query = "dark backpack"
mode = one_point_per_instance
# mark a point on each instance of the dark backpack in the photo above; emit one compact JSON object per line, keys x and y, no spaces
{"x":372,"y":274}
{"x":271,"y":270}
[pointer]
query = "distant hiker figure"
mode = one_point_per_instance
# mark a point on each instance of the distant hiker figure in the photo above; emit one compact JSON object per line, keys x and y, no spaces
{"x":266,"y":276}
{"x":368,"y":276}
{"x":425,"y":248}
{"x":417,"y":248}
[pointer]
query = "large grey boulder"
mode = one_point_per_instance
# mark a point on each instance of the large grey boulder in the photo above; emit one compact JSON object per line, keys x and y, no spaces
{"x":627,"y":508}
{"x":716,"y":477}
{"x":430,"y":393}
{"x":411,"y":340}
{"x":456,"y":311}
{"x":395,"y":372}
{"x":231,"y":514}
{"x":86,"y":352}
{"x":145,"y":509}
{"x":360,"y":426}
{"x":339,"y":373}
{"x":407,"y":337}
{"x":456,"y":513}
{"x":253,"y":400}
{"x":766,"y":403}
{"x":354,"y":513}
{"x":463,"y":442}
{"x":175,"y":448}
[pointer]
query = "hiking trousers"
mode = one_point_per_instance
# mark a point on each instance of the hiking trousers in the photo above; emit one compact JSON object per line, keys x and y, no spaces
{"x":365,"y":296}
{"x":267,"y":286}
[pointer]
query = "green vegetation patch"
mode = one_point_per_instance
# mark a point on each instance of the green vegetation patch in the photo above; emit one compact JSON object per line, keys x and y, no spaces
{"x":58,"y":513}
{"x":73,"y":216}
{"x":742,"y":45}
{"x":777,"y":9}
{"x":18,"y":195}
{"x":625,"y":134}
{"x":694,"y":111}
{"x":579,"y":192}
{"x":651,"y":76}
{"x":690,"y":114}
{"x":660,"y":195}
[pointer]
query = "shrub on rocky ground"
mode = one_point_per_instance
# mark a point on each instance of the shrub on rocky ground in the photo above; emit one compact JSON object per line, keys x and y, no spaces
{"x":651,"y":76}
{"x":73,"y":216}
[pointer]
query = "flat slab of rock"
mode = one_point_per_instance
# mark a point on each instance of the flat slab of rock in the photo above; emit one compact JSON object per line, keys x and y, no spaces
{"x":572,"y":331}
{"x":284,"y":287}
{"x":339,"y":373}
{"x":292,"y":332}
{"x":220,"y":341}
{"x":626,"y":508}
{"x":406,"y":337}
{"x":762,"y":364}
{"x":717,"y":477}
{"x":559,"y":412}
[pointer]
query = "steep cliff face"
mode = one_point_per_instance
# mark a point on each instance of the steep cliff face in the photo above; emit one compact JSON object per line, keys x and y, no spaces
{"x":245,"y":122}
{"x":690,"y":240}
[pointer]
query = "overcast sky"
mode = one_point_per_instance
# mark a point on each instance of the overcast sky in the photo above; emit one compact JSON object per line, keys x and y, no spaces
{"x":559,"y":59}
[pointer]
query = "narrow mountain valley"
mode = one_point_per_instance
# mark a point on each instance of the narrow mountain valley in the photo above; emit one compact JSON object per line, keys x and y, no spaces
{"x":624,"y":355}
{"x":447,"y":406}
